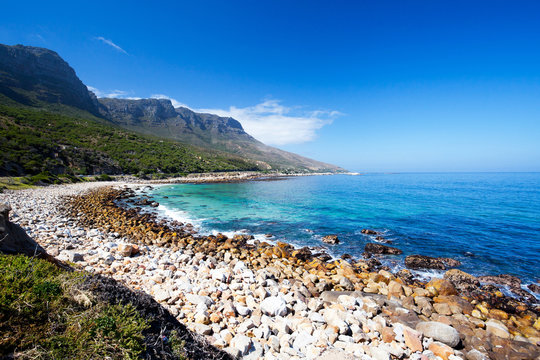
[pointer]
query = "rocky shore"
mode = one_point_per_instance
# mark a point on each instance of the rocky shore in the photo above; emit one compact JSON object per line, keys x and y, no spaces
{"x":257,"y":300}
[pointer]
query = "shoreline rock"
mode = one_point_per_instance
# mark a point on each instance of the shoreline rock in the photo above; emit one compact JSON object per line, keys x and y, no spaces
{"x":428,"y":262}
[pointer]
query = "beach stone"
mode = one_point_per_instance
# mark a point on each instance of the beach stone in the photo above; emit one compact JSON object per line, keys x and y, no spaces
{"x":161,"y":294}
{"x":125,"y":250}
{"x":379,"y":353}
{"x":303,"y":339}
{"x":440,"y":332}
{"x":457,"y":305}
{"x":375,"y":248}
{"x":442,"y":350}
{"x":476,"y":355}
{"x":219,"y":275}
{"x":413,"y":339}
{"x":242,"y":343}
{"x":388,"y":335}
{"x":243,"y":310}
{"x":347,"y":301}
{"x":198,"y":299}
{"x":497,"y":328}
{"x":335,"y":354}
{"x":395,"y":289}
{"x":442,"y":308}
{"x":201,"y":329}
{"x":274,"y":306}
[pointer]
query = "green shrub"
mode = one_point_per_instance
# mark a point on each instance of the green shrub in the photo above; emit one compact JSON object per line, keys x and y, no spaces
{"x":40,"y":318}
{"x":104,"y":177}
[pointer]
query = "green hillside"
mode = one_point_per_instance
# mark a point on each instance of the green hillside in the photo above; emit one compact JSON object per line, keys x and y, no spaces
{"x":35,"y":140}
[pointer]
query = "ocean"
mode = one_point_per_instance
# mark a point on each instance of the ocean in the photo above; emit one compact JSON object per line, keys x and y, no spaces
{"x":488,"y":221}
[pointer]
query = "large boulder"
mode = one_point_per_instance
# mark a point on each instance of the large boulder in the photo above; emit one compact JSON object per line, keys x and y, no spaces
{"x":13,"y":238}
{"x":374,"y":248}
{"x":462,"y":281}
{"x":428,"y":262}
{"x":440,"y":332}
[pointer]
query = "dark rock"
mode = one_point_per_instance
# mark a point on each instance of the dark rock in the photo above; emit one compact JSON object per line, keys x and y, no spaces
{"x":535,"y":288}
{"x":303,"y":254}
{"x":406,"y":276}
{"x":14,"y":240}
{"x":346,"y":256}
{"x":428,"y":262}
{"x":508,"y":280}
{"x":374,"y":248}
{"x":330,"y":239}
{"x":323,"y":256}
{"x":462,"y":281}
{"x":369,"y":232}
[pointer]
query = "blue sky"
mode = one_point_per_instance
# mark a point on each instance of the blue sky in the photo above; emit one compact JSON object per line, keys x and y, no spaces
{"x":370,"y":86}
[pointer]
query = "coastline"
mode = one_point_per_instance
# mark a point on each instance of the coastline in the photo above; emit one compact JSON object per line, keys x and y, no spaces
{"x":351,"y":322}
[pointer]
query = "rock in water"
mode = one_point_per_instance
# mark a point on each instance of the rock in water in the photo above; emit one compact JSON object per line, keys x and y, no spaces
{"x":428,"y":262}
{"x":440,"y":332}
{"x":373,"y":248}
{"x":369,"y":232}
{"x":330,"y":239}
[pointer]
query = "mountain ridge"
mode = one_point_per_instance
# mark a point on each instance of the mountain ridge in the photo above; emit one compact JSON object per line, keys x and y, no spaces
{"x":36,"y":76}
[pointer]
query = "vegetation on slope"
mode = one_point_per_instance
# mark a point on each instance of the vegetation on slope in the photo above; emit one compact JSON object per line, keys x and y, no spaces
{"x":33,"y":141}
{"x":51,"y":313}
{"x":42,"y":315}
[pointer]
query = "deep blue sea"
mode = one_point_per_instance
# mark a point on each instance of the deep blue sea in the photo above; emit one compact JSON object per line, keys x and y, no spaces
{"x":488,"y":221}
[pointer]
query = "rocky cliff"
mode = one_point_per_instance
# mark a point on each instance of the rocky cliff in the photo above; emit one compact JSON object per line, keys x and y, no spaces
{"x":30,"y":75}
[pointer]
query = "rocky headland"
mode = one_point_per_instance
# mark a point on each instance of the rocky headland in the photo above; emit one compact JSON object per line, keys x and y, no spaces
{"x":260,"y":300}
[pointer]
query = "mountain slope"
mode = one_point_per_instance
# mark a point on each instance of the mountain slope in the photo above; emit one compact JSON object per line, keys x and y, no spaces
{"x":31,"y":75}
{"x":157,"y":116}
{"x":33,"y":141}
{"x":40,"y":78}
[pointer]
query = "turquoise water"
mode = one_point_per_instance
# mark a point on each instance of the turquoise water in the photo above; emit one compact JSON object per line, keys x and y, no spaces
{"x":488,"y":221}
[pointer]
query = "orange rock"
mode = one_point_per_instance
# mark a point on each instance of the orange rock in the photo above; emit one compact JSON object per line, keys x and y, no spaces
{"x":441,"y":287}
{"x":388,"y":335}
{"x":442,"y":350}
{"x":413,"y":339}
{"x":395,"y":289}
{"x":498,"y":314}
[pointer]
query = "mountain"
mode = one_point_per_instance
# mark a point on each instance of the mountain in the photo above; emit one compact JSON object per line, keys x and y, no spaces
{"x":31,"y":75}
{"x":159,"y":117}
{"x":39,"y":78}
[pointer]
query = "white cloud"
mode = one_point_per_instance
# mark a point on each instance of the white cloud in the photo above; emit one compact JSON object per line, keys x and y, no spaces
{"x":175,"y":103}
{"x":110,"y":43}
{"x":275,"y":124}
{"x":110,"y":93}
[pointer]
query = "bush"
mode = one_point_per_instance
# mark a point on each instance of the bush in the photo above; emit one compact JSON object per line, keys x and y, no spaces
{"x":104,"y":177}
{"x":41,"y":319}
